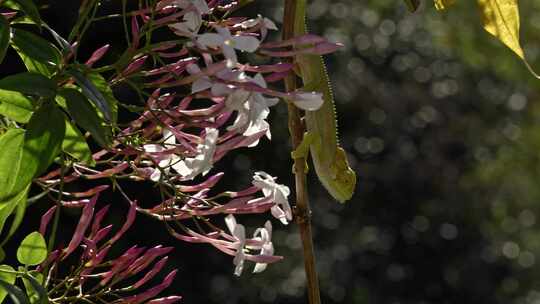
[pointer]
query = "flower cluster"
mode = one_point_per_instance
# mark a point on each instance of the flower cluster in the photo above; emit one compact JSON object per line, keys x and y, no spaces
{"x":203,"y":101}
{"x":120,"y":280}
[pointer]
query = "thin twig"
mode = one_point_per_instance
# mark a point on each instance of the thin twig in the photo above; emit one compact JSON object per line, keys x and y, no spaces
{"x":302,"y":210}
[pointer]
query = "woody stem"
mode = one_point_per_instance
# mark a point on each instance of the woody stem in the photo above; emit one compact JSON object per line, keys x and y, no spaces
{"x":302,"y":210}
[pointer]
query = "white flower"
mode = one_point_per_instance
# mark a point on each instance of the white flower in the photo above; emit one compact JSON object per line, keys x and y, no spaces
{"x":277,"y":192}
{"x":308,"y":101}
{"x":228,"y":43}
{"x":252,"y":108}
{"x":192,"y":19}
{"x":266,"y":24}
{"x":265,"y":236}
{"x":167,"y":161}
{"x":239,"y":233}
{"x":190,"y":167}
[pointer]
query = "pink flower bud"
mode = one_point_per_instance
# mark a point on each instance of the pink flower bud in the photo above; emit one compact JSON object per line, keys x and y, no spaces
{"x":45,"y":219}
{"x":134,"y":66}
{"x":165,"y":300}
{"x":129,"y":220}
{"x":149,"y":275}
{"x":84,"y":221}
{"x":97,"y":55}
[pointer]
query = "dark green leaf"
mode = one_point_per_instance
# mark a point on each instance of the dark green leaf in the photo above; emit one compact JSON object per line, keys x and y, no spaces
{"x":85,"y":115}
{"x":8,"y":277}
{"x":2,"y":257}
{"x":59,"y":39}
{"x":98,"y":91}
{"x":29,"y":83}
{"x":16,"y":106}
{"x":35,"y":291}
{"x":29,"y":8}
{"x":4,"y":37}
{"x":38,"y":54}
{"x":15,"y":293}
{"x":412,"y":5}
{"x":33,"y":249}
{"x":75,"y":145}
{"x":43,"y":139}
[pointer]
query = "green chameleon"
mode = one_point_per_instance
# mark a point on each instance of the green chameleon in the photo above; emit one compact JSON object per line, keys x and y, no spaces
{"x":329,"y":159}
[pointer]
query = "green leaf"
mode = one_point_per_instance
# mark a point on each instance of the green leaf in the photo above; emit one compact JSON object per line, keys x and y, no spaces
{"x":85,"y":115}
{"x":15,"y":293}
{"x":27,"y":154}
{"x":34,"y":290}
{"x":20,"y":210}
{"x":43,"y":138}
{"x":501,"y":19}
{"x":29,"y":8}
{"x":76,"y":146}
{"x":33,"y":250}
{"x":97,"y":90}
{"x":29,"y":83}
{"x":17,"y":202}
{"x":4,"y":37}
{"x":12,"y":143}
{"x":16,"y":106}
{"x":2,"y":257}
{"x":6,"y":277}
{"x":38,"y":54}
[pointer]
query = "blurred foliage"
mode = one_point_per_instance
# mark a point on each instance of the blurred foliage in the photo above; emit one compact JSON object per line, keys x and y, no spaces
{"x":441,"y":124}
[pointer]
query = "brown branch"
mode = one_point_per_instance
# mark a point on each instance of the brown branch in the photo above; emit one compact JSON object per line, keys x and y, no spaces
{"x":302,"y":209}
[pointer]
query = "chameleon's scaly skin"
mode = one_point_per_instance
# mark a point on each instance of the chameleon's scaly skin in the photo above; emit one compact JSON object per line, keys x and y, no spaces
{"x":329,"y":159}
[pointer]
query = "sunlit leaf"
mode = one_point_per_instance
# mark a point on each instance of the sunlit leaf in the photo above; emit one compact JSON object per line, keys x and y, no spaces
{"x":75,"y":145}
{"x":18,"y":206}
{"x":16,"y":106}
{"x":85,"y":115}
{"x":4,"y":37}
{"x":12,"y":143}
{"x":443,"y":4}
{"x":38,"y":54}
{"x":33,"y":249}
{"x":29,"y":83}
{"x":8,"y":276}
{"x":501,"y":19}
{"x":27,"y":154}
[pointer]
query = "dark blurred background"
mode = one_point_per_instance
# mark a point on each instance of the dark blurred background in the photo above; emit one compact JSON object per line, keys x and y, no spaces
{"x":441,"y":125}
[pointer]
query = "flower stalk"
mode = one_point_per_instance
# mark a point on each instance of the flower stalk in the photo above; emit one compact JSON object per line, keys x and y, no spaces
{"x":302,"y":208}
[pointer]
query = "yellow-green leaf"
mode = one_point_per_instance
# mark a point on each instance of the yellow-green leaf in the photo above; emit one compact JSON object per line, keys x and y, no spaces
{"x":7,"y":274}
{"x":501,"y":19}
{"x":75,"y":145}
{"x":443,"y":4}
{"x":33,"y":249}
